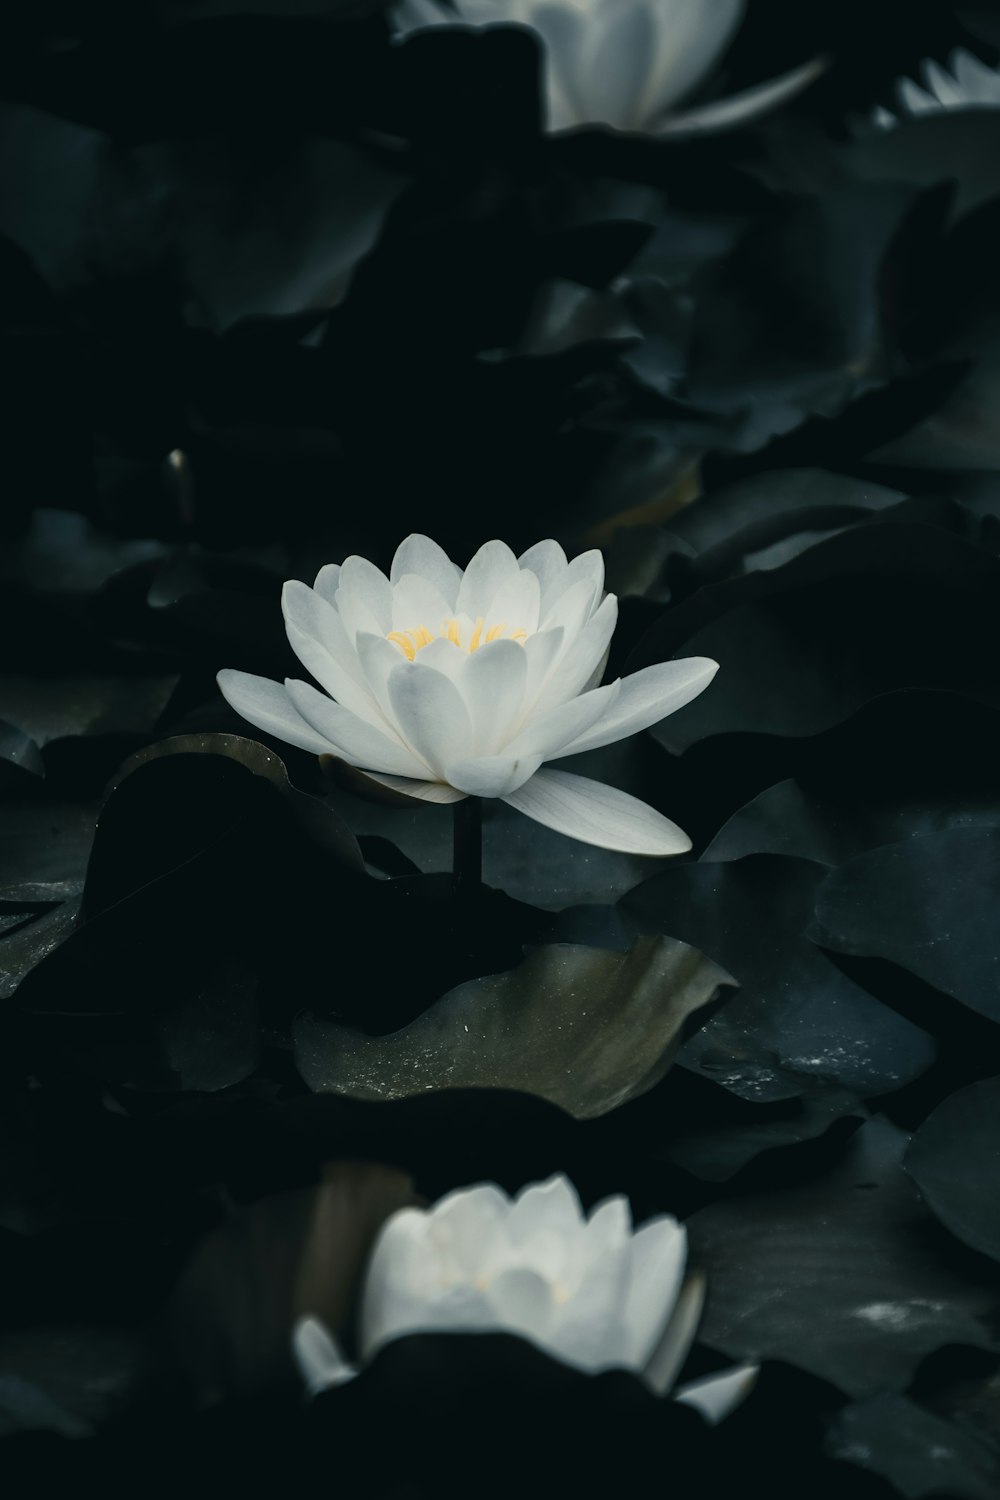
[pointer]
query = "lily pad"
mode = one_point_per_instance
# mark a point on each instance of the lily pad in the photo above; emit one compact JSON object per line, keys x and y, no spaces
{"x":797,"y":1022}
{"x":832,"y":825}
{"x":844,"y":1277}
{"x":795,"y":661}
{"x":927,"y":904}
{"x":581,"y":1027}
{"x":954,"y":1159}
{"x":921,"y":1453}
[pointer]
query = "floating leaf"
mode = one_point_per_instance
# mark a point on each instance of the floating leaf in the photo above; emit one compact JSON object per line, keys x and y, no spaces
{"x":797,"y":1022}
{"x":954,"y":1159}
{"x":844,"y":1277}
{"x":584,"y":1028}
{"x":928,"y":904}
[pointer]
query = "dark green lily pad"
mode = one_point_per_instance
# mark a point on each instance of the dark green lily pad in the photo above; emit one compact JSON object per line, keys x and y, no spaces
{"x":44,"y":847}
{"x":797,"y":1022}
{"x":845,"y":1277}
{"x":954,"y":1159}
{"x":56,"y":708}
{"x":581,"y":1027}
{"x":833,"y":825}
{"x":928,"y":904}
{"x":24,"y":949}
{"x":794,"y":661}
{"x":919,"y":1452}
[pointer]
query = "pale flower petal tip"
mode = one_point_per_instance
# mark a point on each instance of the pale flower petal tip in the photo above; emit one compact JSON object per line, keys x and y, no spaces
{"x":588,"y":1290}
{"x":439,"y":683}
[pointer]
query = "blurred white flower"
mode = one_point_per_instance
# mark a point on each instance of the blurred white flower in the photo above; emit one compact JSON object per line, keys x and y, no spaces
{"x":969,"y":84}
{"x":444,"y":684}
{"x":591,"y":1292}
{"x":623,"y":63}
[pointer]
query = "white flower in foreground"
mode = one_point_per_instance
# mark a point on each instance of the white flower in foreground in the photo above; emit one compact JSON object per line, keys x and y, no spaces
{"x":444,"y":684}
{"x":624,"y":63}
{"x":969,"y":85}
{"x":591,"y":1292}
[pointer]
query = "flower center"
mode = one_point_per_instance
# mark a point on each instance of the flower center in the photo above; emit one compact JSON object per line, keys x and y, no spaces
{"x":467,"y":638}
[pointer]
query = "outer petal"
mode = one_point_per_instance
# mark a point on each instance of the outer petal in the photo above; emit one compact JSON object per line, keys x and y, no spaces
{"x":547,"y":734}
{"x":547,"y":561}
{"x":319,"y":1357}
{"x":587,"y":568}
{"x":591,"y":1333}
{"x":516,"y":602}
{"x":492,"y":682}
{"x":492,"y":565}
{"x":659,"y":1250}
{"x":327,"y":582}
{"x":749,"y":104}
{"x":522,"y":1301}
{"x":267,"y":706}
{"x":431,"y":715}
{"x":666,"y":1360}
{"x":718,"y":1395}
{"x":579,"y":662}
{"x":417,"y":601}
{"x":424,"y":791}
{"x":320,"y":642}
{"x":492,"y":775}
{"x":644,"y":698}
{"x":351,"y":738}
{"x":693,"y":37}
{"x":364,"y":597}
{"x":597,"y":814}
{"x":551,"y":1207}
{"x":418,"y":554}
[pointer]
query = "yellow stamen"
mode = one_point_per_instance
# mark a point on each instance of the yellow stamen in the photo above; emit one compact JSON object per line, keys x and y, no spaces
{"x":412,"y":641}
{"x":403,"y":642}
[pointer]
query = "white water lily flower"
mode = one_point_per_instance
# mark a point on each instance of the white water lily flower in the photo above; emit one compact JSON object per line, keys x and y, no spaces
{"x":970,"y":84}
{"x":593,"y":1293}
{"x":623,"y":63}
{"x":446,"y":684}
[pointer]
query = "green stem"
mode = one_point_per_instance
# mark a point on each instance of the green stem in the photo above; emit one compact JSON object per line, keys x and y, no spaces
{"x":467,"y":860}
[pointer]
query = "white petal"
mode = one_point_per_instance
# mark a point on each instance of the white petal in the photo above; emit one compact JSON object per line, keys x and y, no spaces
{"x":354,"y":740}
{"x":694,"y":36}
{"x":415,"y":602}
{"x":522,"y":1301}
{"x":586,"y":569}
{"x":327,"y":582}
{"x":659,"y":1251}
{"x":424,"y":791}
{"x":541,"y":652}
{"x":717,"y":1395}
{"x":414,"y":15}
{"x":378,"y":657}
{"x":492,"y":681}
{"x":597,"y":814}
{"x":319,"y":640}
{"x":577,"y":666}
{"x":618,"y":62}
{"x":665,"y":1362}
{"x":492,"y":565}
{"x":591,"y":1332}
{"x":609,"y":1226}
{"x":980,"y":83}
{"x":319,"y":1357}
{"x":913,"y":99}
{"x":942,"y":85}
{"x":548,"y":733}
{"x":547,"y":561}
{"x":267,"y":706}
{"x":550,"y":1206}
{"x":418,"y":554}
{"x":748,"y":105}
{"x":466,"y":1222}
{"x":491,"y":775}
{"x":645,"y":697}
{"x":364,"y":597}
{"x":515,"y":604}
{"x":431,"y":715}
